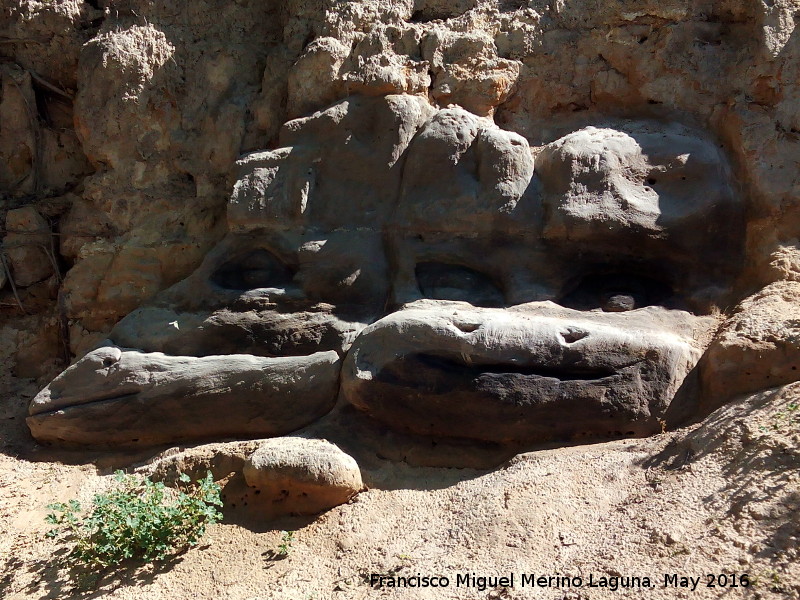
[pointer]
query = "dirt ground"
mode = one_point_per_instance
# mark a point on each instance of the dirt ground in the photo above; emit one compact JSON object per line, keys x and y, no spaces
{"x":720,"y":498}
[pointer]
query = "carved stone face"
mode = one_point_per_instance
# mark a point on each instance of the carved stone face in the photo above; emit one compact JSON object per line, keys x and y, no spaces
{"x":300,"y":273}
{"x":557,"y":306}
{"x":540,"y":294}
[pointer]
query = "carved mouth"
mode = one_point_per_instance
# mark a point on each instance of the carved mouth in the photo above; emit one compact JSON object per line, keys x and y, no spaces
{"x":464,"y":367}
{"x":548,"y":375}
{"x":121,"y":392}
{"x":456,"y":395}
{"x":444,"y":373}
{"x":80,"y":403}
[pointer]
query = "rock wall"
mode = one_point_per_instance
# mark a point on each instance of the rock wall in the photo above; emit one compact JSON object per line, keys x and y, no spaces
{"x":121,"y":124}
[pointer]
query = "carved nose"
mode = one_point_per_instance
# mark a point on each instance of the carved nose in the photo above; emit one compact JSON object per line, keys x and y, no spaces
{"x":109,"y":356}
{"x":467,"y":326}
{"x":573,"y":334}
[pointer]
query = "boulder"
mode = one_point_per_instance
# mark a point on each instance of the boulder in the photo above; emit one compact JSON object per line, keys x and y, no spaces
{"x":304,"y":476}
{"x":350,"y":180}
{"x":466,"y":175}
{"x":641,"y":187}
{"x":758,"y":347}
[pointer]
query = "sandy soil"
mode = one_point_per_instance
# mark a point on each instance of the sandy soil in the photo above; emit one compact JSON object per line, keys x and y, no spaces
{"x":719,"y":498}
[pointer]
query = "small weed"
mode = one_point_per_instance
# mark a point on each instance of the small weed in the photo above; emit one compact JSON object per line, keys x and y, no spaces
{"x":768,"y":579}
{"x":789,"y":417}
{"x":287,"y":537}
{"x":405,"y":557}
{"x":777,"y":584}
{"x":680,"y":550}
{"x":137,"y":519}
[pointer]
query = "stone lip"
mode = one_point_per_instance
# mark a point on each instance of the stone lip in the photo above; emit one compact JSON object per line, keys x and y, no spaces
{"x":120,"y":396}
{"x":542,"y":373}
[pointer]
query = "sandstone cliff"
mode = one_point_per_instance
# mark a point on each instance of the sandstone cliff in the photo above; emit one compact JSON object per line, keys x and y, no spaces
{"x":121,"y":122}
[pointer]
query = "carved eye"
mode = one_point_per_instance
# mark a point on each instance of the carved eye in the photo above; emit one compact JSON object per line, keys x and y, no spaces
{"x":615,"y":292}
{"x":442,"y":281}
{"x":258,"y":269}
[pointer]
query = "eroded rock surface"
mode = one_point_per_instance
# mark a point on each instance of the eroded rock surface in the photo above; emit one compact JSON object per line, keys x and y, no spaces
{"x":306,"y":476}
{"x":644,"y":189}
{"x":757,"y":348}
{"x":312,"y":179}
{"x":445,"y":210}
{"x":28,"y":246}
{"x":116,"y":396}
{"x":532,"y":372}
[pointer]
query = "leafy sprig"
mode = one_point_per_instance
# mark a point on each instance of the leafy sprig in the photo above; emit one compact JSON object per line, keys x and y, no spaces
{"x":136,"y":519}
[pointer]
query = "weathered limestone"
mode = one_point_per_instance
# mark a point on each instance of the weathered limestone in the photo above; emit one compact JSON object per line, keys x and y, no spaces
{"x":465,"y":174}
{"x":640,"y":185}
{"x":757,"y":348}
{"x":468,"y":205}
{"x":116,"y":396}
{"x":350,"y":180}
{"x":302,"y":270}
{"x":302,"y":476}
{"x":163,"y":114}
{"x":300,"y":273}
{"x":469,"y":71}
{"x":440,"y":212}
{"x":272,"y":293}
{"x":587,"y":230}
{"x":532,"y":372}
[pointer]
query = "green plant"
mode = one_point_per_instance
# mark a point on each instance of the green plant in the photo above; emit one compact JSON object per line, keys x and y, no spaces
{"x":287,"y":537}
{"x":136,"y":519}
{"x":406,"y":557}
{"x":769,"y":579}
{"x":786,"y":418}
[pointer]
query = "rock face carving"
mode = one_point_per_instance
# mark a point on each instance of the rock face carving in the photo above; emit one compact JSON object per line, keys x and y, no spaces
{"x":447,"y":277}
{"x":644,"y":190}
{"x":592,"y":233}
{"x":532,"y":372}
{"x":157,"y":398}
